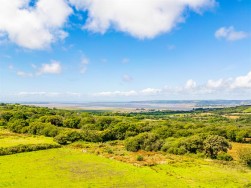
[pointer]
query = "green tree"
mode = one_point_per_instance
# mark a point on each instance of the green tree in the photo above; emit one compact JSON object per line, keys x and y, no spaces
{"x":215,"y":144}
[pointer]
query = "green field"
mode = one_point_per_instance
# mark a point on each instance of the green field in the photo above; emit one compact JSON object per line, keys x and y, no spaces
{"x":8,"y":139}
{"x":247,"y":110}
{"x":66,"y":167}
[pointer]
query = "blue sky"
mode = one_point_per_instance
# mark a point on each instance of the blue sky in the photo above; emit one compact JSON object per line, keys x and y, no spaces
{"x":120,"y":50}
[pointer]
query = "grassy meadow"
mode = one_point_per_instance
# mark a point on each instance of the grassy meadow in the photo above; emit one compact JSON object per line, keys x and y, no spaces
{"x":67,"y":167}
{"x":8,"y":139}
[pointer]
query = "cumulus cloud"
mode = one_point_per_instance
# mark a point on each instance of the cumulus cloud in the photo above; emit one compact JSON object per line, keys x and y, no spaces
{"x":190,"y":84}
{"x":33,"y":27}
{"x":51,"y":68}
{"x":141,"y":18}
{"x":239,"y":86}
{"x":242,"y":81}
{"x":214,"y":84}
{"x":151,"y":91}
{"x":38,"y":26}
{"x":230,"y":34}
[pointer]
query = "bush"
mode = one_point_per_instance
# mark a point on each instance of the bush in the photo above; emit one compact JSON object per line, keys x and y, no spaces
{"x":61,"y":138}
{"x":144,"y":141}
{"x":73,"y":122}
{"x":174,"y":146}
{"x":109,"y":150}
{"x":180,"y":146}
{"x":2,"y":123}
{"x":245,"y":156}
{"x":26,"y":148}
{"x":215,"y":144}
{"x":17,"y":125}
{"x":67,"y":137}
{"x":194,"y":144}
{"x":140,"y":158}
{"x":224,"y":156}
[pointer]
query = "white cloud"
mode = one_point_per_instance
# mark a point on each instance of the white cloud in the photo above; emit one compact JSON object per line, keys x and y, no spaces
{"x":116,"y":93}
{"x":139,"y":18}
{"x":24,"y":74}
{"x":215,"y":84}
{"x":48,"y":94}
{"x":228,"y":87}
{"x":190,"y":85}
{"x":38,"y":26}
{"x":151,"y":91}
{"x":230,"y":34}
{"x":34,"y":27}
{"x":52,"y":68}
{"x":127,"y":78}
{"x":242,"y":82}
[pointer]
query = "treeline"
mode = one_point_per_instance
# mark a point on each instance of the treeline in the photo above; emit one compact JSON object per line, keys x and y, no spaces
{"x":26,"y":148}
{"x":212,"y":146}
{"x":173,"y":132}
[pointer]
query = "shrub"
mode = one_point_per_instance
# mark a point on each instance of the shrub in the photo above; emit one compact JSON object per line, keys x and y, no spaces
{"x":91,"y":136}
{"x":144,"y":141}
{"x":194,"y":144}
{"x":109,"y":150}
{"x":26,"y":148}
{"x":73,"y":122}
{"x":244,"y":155}
{"x":2,"y":123}
{"x":61,"y":138}
{"x":140,"y":158}
{"x":17,"y":125}
{"x":67,"y":137}
{"x":215,"y":144}
{"x":241,"y":135}
{"x":224,"y":156}
{"x":180,"y":146}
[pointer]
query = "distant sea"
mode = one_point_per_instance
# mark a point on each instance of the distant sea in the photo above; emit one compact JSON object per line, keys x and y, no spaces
{"x":144,"y":105}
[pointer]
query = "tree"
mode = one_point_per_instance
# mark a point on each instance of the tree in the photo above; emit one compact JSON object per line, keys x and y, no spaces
{"x":72,"y":122}
{"x":215,"y":144}
{"x":6,"y":116}
{"x":144,"y":141}
{"x":54,"y":120}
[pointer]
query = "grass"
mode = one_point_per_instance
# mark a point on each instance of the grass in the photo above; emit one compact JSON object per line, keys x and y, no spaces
{"x":110,"y":165}
{"x":67,"y":167}
{"x":9,"y":139}
{"x":248,"y":110}
{"x":236,"y":147}
{"x":71,"y":168}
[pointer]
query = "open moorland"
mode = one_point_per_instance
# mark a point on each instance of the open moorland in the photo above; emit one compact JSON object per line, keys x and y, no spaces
{"x":43,"y":147}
